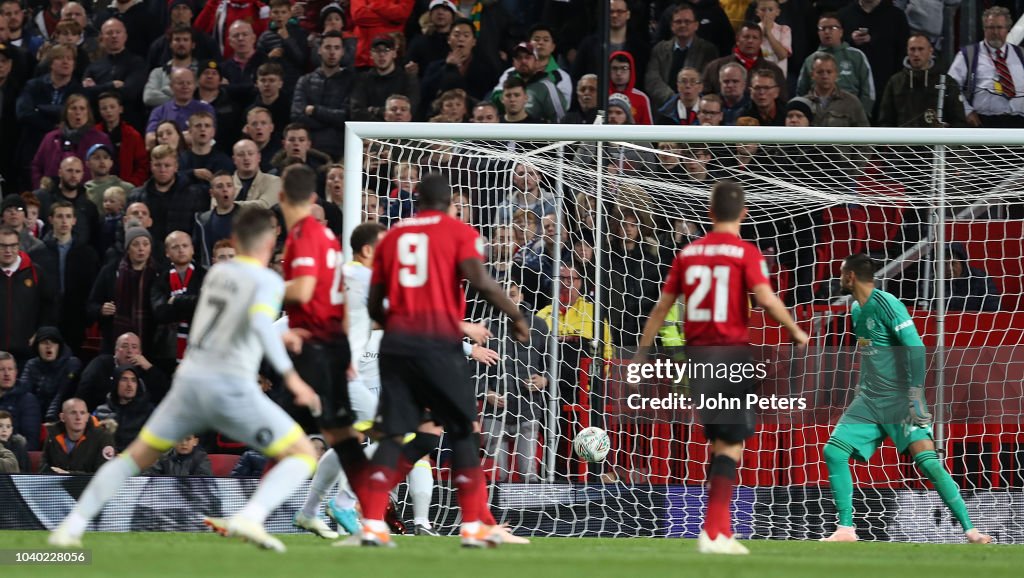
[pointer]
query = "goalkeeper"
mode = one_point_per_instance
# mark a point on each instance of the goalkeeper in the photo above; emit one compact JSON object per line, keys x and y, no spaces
{"x":889,"y":403}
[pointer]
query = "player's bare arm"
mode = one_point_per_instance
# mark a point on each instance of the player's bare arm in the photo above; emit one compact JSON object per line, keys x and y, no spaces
{"x":775,"y":309}
{"x":473,"y":271}
{"x":299,"y":290}
{"x":375,"y":304}
{"x":654,"y":323}
{"x":476,"y":332}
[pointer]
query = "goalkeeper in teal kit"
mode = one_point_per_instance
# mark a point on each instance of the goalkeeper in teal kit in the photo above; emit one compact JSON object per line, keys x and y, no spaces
{"x":890,"y":400}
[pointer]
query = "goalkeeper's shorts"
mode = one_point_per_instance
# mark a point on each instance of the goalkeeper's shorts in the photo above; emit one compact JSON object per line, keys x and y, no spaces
{"x":866,"y":437}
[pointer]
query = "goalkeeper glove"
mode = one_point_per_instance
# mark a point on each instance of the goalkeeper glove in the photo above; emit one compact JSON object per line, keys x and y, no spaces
{"x":918,"y":414}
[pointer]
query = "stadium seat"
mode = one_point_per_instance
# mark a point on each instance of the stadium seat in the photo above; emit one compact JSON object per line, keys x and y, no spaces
{"x":35,"y":460}
{"x":843,"y":235}
{"x":222,"y":464}
{"x":883,"y":221}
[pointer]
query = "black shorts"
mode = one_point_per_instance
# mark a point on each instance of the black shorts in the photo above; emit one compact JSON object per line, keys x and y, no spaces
{"x":435,"y":379}
{"x":324,"y":367}
{"x":719,"y":391}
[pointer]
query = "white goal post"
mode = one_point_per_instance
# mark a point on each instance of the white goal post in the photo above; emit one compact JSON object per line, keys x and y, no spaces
{"x":935,"y":207}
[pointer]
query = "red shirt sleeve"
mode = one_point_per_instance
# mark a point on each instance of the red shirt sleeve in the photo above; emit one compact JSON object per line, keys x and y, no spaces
{"x":755,"y":270}
{"x":303,"y":258}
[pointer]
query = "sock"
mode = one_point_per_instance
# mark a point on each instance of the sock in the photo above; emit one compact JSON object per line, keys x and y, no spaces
{"x":721,"y":481}
{"x":353,"y":460}
{"x":278,"y":486}
{"x":932,"y":468}
{"x":381,"y":476}
{"x":328,"y":471}
{"x":108,"y":479}
{"x":469,"y":477}
{"x":485,"y":507}
{"x":421,"y":489}
{"x":837,"y":459}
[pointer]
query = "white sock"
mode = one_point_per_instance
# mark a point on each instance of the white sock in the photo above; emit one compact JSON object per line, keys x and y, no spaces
{"x":327,"y":471}
{"x":108,"y":479}
{"x":421,"y":490}
{"x":276,"y":487}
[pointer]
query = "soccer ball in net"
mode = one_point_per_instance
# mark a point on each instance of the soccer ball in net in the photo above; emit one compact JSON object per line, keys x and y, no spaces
{"x":592,"y":444}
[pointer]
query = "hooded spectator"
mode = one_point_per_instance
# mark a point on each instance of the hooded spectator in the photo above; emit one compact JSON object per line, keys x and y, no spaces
{"x":53,"y":370}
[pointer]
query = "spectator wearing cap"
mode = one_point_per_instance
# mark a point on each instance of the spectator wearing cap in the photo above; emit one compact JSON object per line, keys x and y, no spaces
{"x":119,"y":69}
{"x":321,"y":99}
{"x":181,"y":14}
{"x":22,"y":283}
{"x":465,"y":67}
{"x":218,"y":16}
{"x":72,"y":138}
{"x":543,"y":99}
{"x":374,"y":86}
{"x":14,"y":212}
{"x":285,"y":42}
{"x":131,"y":160}
{"x":69,"y":186}
{"x":100,"y":160}
{"x":180,"y":107}
{"x":228,"y":114}
{"x":433,"y":44}
{"x":182,"y":46}
{"x":330,"y":17}
{"x":373,"y":18}
{"x":799,"y":112}
{"x":119,"y":300}
{"x":72,"y":265}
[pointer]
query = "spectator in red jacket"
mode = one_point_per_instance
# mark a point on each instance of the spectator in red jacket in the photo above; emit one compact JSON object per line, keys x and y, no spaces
{"x":374,"y":18}
{"x":131,"y":161}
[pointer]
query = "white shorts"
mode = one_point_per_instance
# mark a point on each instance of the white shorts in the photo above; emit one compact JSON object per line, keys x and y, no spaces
{"x":364,"y":398}
{"x":225,"y":403}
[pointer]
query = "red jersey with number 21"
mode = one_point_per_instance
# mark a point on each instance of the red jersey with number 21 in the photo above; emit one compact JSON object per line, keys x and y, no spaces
{"x":716,"y":275}
{"x":312,"y":249}
{"x":417,"y":263}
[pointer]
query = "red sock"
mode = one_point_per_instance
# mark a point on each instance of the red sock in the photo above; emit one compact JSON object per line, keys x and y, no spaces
{"x":377,"y":487}
{"x":485,"y":508}
{"x":468,"y":482}
{"x":404,"y":467}
{"x":717,"y":519}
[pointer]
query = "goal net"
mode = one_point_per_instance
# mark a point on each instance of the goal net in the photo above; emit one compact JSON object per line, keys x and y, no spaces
{"x":582,"y":228}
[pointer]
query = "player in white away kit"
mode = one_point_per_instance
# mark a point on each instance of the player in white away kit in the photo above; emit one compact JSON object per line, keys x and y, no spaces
{"x":215,"y":387}
{"x":363,"y":392}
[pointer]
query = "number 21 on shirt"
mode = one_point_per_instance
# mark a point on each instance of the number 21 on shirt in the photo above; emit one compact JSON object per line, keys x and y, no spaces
{"x":708,"y":279}
{"x":412,"y":256}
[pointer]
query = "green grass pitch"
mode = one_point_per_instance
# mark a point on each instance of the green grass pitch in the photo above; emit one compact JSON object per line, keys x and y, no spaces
{"x":141,"y":555}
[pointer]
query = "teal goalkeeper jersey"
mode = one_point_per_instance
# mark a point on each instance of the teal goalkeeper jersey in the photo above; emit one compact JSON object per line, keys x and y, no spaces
{"x":892,"y":353}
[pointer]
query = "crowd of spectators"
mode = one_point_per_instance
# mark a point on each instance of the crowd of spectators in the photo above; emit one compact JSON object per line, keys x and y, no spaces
{"x":132,"y":131}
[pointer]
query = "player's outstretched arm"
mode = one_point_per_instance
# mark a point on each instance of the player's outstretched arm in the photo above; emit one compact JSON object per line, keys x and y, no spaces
{"x":654,"y":323}
{"x":777,"y":311}
{"x":473,"y":271}
{"x":375,"y":304}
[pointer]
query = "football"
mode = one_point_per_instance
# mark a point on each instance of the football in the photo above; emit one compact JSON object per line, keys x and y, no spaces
{"x":592,"y":444}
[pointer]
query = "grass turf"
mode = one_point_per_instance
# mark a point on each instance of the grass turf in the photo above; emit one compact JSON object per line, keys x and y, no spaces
{"x":141,"y":555}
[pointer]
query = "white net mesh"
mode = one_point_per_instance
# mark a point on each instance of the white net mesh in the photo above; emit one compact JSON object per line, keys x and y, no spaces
{"x":620,"y":222}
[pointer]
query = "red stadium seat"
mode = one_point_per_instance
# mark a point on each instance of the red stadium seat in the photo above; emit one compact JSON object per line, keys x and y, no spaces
{"x":35,"y":460}
{"x":843,"y":235}
{"x":222,"y":464}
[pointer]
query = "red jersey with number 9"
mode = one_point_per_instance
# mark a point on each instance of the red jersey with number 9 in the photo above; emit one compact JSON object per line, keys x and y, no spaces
{"x":312,"y":249}
{"x":417,"y":263}
{"x":715,"y":275}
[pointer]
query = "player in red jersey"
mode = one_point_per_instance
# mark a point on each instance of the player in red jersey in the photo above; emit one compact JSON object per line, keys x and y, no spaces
{"x":716,"y":275}
{"x":419,"y":267}
{"x":314,"y":301}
